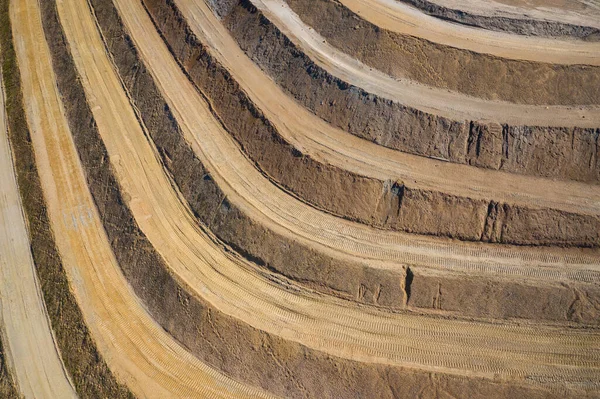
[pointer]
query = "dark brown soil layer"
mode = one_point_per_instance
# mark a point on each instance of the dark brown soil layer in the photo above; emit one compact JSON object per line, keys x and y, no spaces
{"x":557,"y":152}
{"x":345,"y":279}
{"x":475,"y":74}
{"x":246,"y":354}
{"x":88,"y":371}
{"x":481,"y":297}
{"x":383,"y":204}
{"x":525,"y":26}
{"x":7,"y":384}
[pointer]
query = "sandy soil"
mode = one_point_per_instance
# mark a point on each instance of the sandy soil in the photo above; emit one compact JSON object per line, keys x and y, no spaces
{"x":139,"y":351}
{"x":30,"y":347}
{"x":428,"y":99}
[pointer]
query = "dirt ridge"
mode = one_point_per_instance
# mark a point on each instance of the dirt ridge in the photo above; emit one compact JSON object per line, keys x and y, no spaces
{"x":524,"y":26}
{"x":373,"y":202}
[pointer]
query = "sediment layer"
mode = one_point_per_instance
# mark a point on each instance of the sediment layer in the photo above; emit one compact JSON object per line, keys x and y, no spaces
{"x":87,"y":369}
{"x":233,"y":346}
{"x":520,"y":26}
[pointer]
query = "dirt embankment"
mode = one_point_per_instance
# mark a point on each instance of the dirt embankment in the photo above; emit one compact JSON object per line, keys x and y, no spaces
{"x":385,"y":204}
{"x":524,"y":26}
{"x":479,"y":75}
{"x":284,"y":256}
{"x":557,"y":152}
{"x":7,"y":385}
{"x":244,"y":353}
{"x":87,"y":369}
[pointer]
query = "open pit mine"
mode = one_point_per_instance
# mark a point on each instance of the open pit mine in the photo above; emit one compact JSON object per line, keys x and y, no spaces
{"x":324,"y":199}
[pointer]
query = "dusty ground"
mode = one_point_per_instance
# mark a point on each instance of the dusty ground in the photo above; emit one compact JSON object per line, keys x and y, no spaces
{"x":26,"y":327}
{"x":177,"y":234}
{"x":113,"y":212}
{"x":87,"y":370}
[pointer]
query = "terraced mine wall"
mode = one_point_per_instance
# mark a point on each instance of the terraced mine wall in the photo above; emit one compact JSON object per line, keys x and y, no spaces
{"x":284,"y":256}
{"x":383,"y":204}
{"x":244,"y":353}
{"x":89,"y":373}
{"x":525,"y":26}
{"x":557,"y":152}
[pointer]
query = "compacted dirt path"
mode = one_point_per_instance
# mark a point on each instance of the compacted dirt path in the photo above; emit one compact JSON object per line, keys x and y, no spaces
{"x":29,"y":345}
{"x":233,"y":286}
{"x":397,"y":17}
{"x":137,"y":350}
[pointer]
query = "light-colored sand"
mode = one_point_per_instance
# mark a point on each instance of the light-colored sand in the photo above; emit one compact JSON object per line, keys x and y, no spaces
{"x":433,"y":100}
{"x":330,"y":145}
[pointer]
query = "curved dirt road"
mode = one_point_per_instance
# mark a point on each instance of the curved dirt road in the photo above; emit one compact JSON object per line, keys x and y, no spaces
{"x":136,"y":349}
{"x":230,"y":284}
{"x":330,"y":145}
{"x":428,"y":99}
{"x":29,"y":342}
{"x":398,"y":17}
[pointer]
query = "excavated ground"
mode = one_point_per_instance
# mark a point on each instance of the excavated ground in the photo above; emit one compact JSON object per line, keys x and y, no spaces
{"x":290,"y":258}
{"x":511,"y":148}
{"x":247,"y":354}
{"x":258,"y":350}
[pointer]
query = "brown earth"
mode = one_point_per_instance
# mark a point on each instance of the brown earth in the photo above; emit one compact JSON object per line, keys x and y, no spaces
{"x":7,"y":385}
{"x":87,"y":369}
{"x":329,"y":275}
{"x":471,"y":73}
{"x":385,"y":204}
{"x":511,"y":148}
{"x":521,"y":26}
{"x":245,"y":353}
